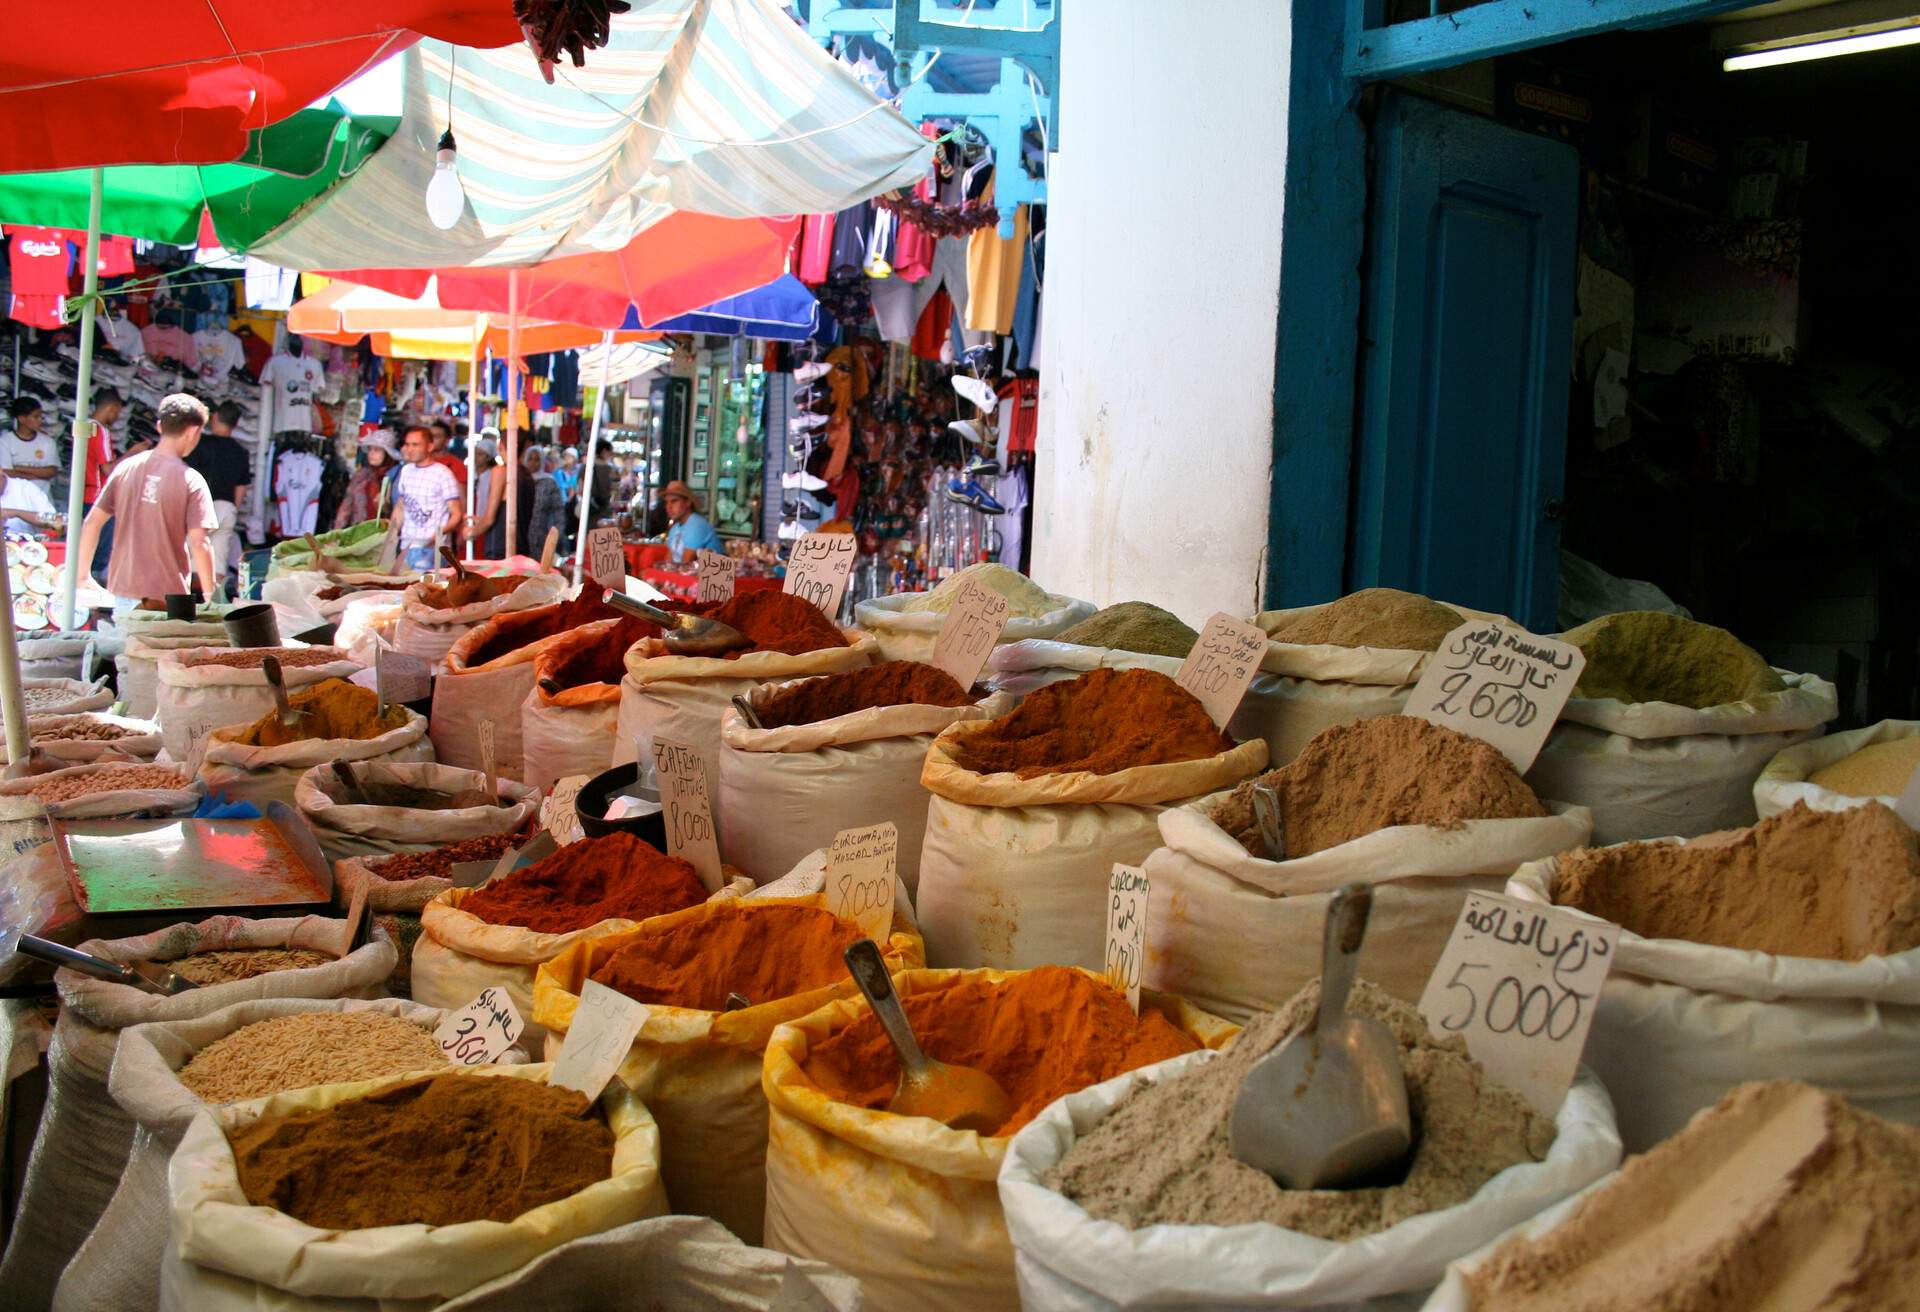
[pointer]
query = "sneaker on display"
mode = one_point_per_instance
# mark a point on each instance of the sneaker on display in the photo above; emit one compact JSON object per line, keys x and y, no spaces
{"x":790,"y":530}
{"x":812,"y":369}
{"x":977,"y":390}
{"x":983,"y":467}
{"x":802,"y":480}
{"x":967,"y":492}
{"x":972,"y":432}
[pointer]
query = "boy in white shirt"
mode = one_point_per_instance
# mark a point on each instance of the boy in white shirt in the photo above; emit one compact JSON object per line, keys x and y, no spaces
{"x":27,"y":452}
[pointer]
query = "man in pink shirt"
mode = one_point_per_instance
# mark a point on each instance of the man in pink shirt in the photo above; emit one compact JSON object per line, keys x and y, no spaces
{"x":162,"y":512}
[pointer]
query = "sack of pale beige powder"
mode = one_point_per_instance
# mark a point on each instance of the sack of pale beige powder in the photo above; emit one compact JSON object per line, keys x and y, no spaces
{"x":1795,"y":774}
{"x":1207,"y":890}
{"x":84,"y":1136}
{"x":347,"y":828}
{"x":909,"y":635}
{"x":1677,"y":1024}
{"x":1068,"y":1261}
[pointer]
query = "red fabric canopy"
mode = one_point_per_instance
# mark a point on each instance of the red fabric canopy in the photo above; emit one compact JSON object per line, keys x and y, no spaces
{"x":132,"y":82}
{"x":684,"y":262}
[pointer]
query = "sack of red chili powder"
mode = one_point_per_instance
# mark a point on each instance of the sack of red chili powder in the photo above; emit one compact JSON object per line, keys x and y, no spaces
{"x":429,"y":630}
{"x":569,"y":719}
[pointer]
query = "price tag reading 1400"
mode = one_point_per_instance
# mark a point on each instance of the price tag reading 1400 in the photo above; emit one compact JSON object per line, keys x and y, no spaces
{"x":1223,"y":664}
{"x":1518,"y":983}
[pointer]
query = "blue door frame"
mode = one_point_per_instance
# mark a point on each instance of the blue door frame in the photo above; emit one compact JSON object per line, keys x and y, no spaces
{"x":1337,"y":49}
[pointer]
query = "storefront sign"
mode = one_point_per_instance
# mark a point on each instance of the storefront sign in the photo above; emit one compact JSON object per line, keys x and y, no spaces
{"x":481,"y":1031}
{"x":819,"y":567}
{"x":605,"y":1024}
{"x":860,"y":876}
{"x":973,"y":626}
{"x":606,"y":558}
{"x":689,"y":808}
{"x":1498,"y":683}
{"x":715,"y":571}
{"x":1127,"y":931}
{"x":1222,"y":665}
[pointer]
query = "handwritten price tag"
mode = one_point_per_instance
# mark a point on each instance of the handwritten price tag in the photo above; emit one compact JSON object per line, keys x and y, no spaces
{"x":605,"y":1024}
{"x":1518,"y":982}
{"x":1498,"y":683}
{"x":1127,"y":931}
{"x":558,"y":815}
{"x":481,"y":1031}
{"x":197,"y":735}
{"x":973,"y":626}
{"x":1222,"y":665}
{"x":1907,"y":805}
{"x":606,"y":560}
{"x":715,"y":572}
{"x":689,"y":807}
{"x":399,"y":677}
{"x":819,"y":567}
{"x":860,"y":870}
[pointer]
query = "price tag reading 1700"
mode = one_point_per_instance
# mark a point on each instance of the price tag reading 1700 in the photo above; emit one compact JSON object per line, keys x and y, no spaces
{"x":481,"y":1031}
{"x":689,"y":809}
{"x":819,"y":567}
{"x":1518,"y":982}
{"x":973,"y":626}
{"x":1127,"y":931}
{"x":1500,"y":684}
{"x":1223,"y":663}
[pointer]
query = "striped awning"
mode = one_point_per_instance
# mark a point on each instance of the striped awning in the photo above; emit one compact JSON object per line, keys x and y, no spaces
{"x":720,"y":107}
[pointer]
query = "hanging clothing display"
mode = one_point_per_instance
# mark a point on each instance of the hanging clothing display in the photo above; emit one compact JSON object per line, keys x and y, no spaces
{"x":286,"y":393}
{"x":121,"y":334}
{"x":296,"y":490}
{"x":993,"y":275}
{"x":220,"y":352}
{"x":1020,"y":421}
{"x":39,"y":262}
{"x":815,"y":260}
{"x":166,"y":342}
{"x":270,"y":287}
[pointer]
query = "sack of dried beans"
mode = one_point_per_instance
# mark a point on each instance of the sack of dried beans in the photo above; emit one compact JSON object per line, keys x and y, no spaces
{"x":92,"y":735}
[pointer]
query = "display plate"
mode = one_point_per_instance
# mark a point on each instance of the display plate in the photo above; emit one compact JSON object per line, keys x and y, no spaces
{"x":188,"y":864}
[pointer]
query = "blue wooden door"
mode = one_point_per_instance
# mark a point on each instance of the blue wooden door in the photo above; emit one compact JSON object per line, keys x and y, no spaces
{"x":1466,"y":339}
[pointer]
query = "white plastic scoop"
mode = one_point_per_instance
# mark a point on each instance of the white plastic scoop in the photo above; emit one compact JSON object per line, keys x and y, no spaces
{"x":1329,"y":1106}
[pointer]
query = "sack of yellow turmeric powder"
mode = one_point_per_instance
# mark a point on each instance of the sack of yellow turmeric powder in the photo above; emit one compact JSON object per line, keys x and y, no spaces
{"x":695,"y":1064}
{"x":262,"y":761}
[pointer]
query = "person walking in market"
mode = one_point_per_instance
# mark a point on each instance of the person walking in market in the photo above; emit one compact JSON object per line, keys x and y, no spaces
{"x":688,"y":530}
{"x":488,"y":526}
{"x":223,"y":462}
{"x":164,"y":514}
{"x":107,"y":405}
{"x":548,"y":507}
{"x":426,"y":500}
{"x":440,"y":443}
{"x":368,"y":491}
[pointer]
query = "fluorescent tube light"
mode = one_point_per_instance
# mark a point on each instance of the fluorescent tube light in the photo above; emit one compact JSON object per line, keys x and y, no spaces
{"x":1846,"y":45}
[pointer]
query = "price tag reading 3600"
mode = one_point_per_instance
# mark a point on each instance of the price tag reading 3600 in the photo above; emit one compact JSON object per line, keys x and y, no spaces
{"x":1500,"y":684}
{"x":1518,"y":982}
{"x":1223,"y":664}
{"x":481,"y":1031}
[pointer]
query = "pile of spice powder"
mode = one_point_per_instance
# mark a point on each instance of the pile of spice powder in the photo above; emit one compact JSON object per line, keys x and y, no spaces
{"x":1136,"y":626}
{"x":591,"y":657}
{"x":1353,"y":779}
{"x":312,"y":1047}
{"x":466,"y":589}
{"x":229,"y":964}
{"x":1838,"y":885}
{"x":1101,"y":722}
{"x":1025,"y":599}
{"x":890,"y":683}
{"x":249,"y":658}
{"x":439,"y":863}
{"x":1651,"y":656}
{"x":779,"y":621}
{"x":515,"y":629}
{"x":334,"y":709}
{"x":111,"y":779}
{"x":435,"y":1151}
{"x":1876,"y":770}
{"x":1164,"y":1155}
{"x":1372,"y":617}
{"x":1043,"y":1034}
{"x":616,"y":877}
{"x":763,"y":953}
{"x":1778,"y":1196}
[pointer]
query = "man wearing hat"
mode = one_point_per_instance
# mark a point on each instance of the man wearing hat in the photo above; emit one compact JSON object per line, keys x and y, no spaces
{"x":27,"y":452}
{"x":688,"y":531}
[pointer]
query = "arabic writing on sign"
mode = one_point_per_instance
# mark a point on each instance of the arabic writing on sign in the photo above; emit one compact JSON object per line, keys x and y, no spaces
{"x":1500,"y":684}
{"x":1223,"y":662}
{"x":818,"y":568}
{"x":714,"y":576}
{"x":480,"y":1031}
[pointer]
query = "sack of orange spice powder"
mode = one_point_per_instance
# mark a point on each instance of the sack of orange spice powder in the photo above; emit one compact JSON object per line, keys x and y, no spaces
{"x":697,"y":1067}
{"x":907,"y":1206}
{"x":489,"y":673}
{"x":569,"y":718}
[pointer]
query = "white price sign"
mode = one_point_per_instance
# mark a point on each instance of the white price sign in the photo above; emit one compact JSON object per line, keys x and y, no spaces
{"x":689,"y":808}
{"x":1500,"y":684}
{"x":1222,"y":664}
{"x":819,"y":567}
{"x":973,"y":626}
{"x":1518,"y":982}
{"x":715,"y":572}
{"x":197,"y":735}
{"x":1127,"y":931}
{"x":860,"y":875}
{"x":1907,"y":805}
{"x":606,"y":558}
{"x":481,"y":1031}
{"x":605,"y":1024}
{"x":558,"y":815}
{"x":399,"y":677}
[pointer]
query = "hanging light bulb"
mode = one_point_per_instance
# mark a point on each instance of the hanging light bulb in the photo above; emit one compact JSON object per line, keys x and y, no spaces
{"x":446,"y":198}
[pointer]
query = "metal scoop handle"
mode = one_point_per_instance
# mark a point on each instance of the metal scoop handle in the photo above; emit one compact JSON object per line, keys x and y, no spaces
{"x":1266,"y":813}
{"x":620,"y":601}
{"x":1347,"y":912}
{"x":59,"y":954}
{"x":870,"y":973}
{"x":747,"y":713}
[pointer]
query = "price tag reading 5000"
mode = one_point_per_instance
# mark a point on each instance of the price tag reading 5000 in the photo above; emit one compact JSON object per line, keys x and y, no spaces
{"x":689,"y":809}
{"x":1517,"y":983}
{"x":1499,"y":683}
{"x":819,"y":567}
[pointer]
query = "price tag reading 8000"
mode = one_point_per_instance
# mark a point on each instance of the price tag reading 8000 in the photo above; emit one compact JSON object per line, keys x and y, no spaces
{"x":1500,"y":684}
{"x":818,"y":569}
{"x":689,"y":809}
{"x":1224,"y":661}
{"x":481,"y":1031}
{"x":1517,"y":983}
{"x":1127,"y":892}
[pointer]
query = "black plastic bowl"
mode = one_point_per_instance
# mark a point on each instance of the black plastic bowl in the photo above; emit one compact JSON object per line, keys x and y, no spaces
{"x":592,"y":802}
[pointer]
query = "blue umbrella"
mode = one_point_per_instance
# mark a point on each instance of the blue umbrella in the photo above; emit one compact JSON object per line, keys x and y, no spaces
{"x":783,"y":310}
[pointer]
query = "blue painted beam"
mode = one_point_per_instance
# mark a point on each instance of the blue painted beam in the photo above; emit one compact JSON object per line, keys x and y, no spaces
{"x":1498,"y":27}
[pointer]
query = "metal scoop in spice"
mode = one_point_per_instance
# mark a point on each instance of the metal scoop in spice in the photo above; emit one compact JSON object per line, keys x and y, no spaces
{"x":1329,"y":1106}
{"x":684,"y":634}
{"x":148,"y":977}
{"x":277,"y":684}
{"x":956,"y":1096}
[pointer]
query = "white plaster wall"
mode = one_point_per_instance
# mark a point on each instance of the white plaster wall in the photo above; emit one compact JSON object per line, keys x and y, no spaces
{"x":1154,"y":462}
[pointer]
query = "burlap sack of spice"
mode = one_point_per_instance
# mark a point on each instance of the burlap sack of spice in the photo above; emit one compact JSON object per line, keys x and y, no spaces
{"x":572,"y":731}
{"x":272,"y":774}
{"x":66,"y":696}
{"x":212,"y":696}
{"x":681,"y":698}
{"x":429,"y":632}
{"x":472,"y":691}
{"x":902,"y":1203}
{"x":1651,"y":769}
{"x":1013,"y":872}
{"x":1678,"y":1024}
{"x":138,"y":668}
{"x":1206,"y":891}
{"x":17,"y":803}
{"x":227,"y":1255}
{"x":1068,"y":1261}
{"x":906,"y":635}
{"x":352,"y":829}
{"x":1788,"y":777}
{"x":140,"y":743}
{"x":294,"y":596}
{"x":119,"y":1264}
{"x":84,"y":1136}
{"x":699,"y":1071}
{"x":784,"y":792}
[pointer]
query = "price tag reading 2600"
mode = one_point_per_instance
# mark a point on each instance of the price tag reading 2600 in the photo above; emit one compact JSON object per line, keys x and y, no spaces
{"x":1500,"y":684}
{"x":689,"y":809}
{"x":1518,"y":983}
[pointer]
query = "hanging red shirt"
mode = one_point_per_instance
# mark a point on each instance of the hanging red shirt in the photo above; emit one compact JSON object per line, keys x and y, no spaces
{"x":40,"y":261}
{"x":1024,"y":424}
{"x":99,"y":458}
